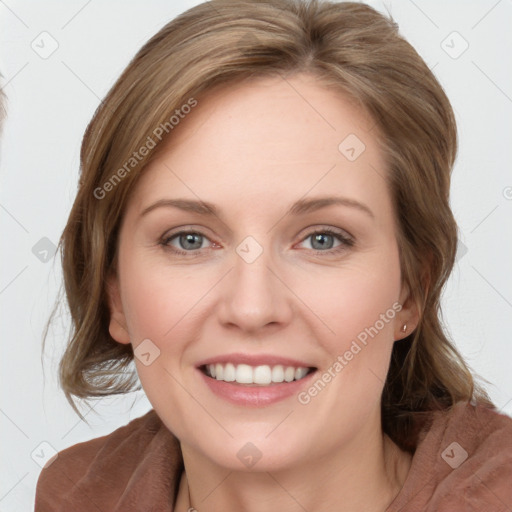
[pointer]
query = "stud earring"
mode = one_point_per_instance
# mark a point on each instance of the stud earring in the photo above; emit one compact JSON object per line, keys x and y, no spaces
{"x":404,"y":328}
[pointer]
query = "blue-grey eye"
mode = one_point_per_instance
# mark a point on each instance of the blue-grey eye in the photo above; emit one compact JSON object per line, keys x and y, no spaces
{"x":324,"y":240}
{"x":190,"y":241}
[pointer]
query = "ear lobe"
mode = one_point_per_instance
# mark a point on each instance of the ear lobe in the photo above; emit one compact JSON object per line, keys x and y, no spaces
{"x":117,"y":326}
{"x":409,"y":314}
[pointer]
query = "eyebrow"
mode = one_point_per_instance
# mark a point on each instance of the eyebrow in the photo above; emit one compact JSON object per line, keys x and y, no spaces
{"x":299,"y":207}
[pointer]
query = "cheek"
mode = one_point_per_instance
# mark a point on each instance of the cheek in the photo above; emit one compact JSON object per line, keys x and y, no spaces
{"x":358,"y":312}
{"x":354,"y":301}
{"x":155,"y":299}
{"x":159,"y":303}
{"x":360,"y":308}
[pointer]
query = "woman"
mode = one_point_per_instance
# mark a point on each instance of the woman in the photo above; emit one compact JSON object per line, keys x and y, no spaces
{"x":293,"y":353}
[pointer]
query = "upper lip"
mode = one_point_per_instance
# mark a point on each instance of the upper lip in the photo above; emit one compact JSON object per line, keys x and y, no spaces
{"x":255,"y":360}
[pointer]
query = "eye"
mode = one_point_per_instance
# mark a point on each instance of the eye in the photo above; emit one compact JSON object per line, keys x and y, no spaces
{"x":187,"y":241}
{"x":322,"y":240}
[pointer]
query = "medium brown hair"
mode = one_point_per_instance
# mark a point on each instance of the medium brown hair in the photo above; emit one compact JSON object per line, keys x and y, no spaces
{"x":347,"y":46}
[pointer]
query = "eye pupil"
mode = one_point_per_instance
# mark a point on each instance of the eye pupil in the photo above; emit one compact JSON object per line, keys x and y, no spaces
{"x":320,"y":237}
{"x":189,"y":239}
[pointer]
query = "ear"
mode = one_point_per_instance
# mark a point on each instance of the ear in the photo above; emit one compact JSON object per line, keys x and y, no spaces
{"x":117,"y":326}
{"x":408,"y":315}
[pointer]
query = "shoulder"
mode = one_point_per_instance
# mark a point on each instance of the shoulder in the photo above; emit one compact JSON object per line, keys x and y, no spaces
{"x":476,"y":450}
{"x":477,"y":426}
{"x":463,"y":457}
{"x":99,"y":470}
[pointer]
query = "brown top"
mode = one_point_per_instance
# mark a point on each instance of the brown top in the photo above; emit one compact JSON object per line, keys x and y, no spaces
{"x":463,"y":462}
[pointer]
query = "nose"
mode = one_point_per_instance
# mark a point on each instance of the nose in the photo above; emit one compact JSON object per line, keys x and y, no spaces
{"x":254,"y":294}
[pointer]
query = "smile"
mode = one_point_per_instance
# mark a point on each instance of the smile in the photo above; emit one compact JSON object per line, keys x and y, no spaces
{"x":262,"y":375}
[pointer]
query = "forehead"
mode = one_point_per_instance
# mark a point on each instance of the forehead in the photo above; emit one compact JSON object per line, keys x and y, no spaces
{"x":275,"y":138}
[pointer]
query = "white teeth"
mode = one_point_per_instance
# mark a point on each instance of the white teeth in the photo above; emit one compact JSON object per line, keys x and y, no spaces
{"x":263,"y":374}
{"x":289,"y":374}
{"x":300,"y":372}
{"x":244,"y":374}
{"x":229,"y":372}
{"x":277,"y":373}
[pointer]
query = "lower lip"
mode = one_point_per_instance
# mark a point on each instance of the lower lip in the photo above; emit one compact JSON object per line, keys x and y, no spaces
{"x":255,"y":396}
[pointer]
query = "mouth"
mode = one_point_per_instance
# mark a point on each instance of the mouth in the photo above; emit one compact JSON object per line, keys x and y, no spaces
{"x":255,"y":376}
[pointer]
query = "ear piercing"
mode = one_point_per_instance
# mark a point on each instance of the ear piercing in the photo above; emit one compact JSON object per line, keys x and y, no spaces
{"x":404,"y":327}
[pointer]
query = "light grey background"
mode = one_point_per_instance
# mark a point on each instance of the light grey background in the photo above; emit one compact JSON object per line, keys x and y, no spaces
{"x":50,"y":101}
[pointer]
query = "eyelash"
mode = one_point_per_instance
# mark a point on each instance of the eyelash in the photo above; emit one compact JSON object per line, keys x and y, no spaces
{"x":345,"y":242}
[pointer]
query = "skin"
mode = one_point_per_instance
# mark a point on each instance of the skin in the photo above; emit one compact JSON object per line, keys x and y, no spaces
{"x":253,"y":149}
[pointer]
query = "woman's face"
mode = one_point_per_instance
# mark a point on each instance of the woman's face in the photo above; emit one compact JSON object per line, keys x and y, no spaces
{"x":252,"y":287}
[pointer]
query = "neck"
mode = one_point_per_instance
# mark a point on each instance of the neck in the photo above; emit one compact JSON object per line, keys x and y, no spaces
{"x":367,"y":477}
